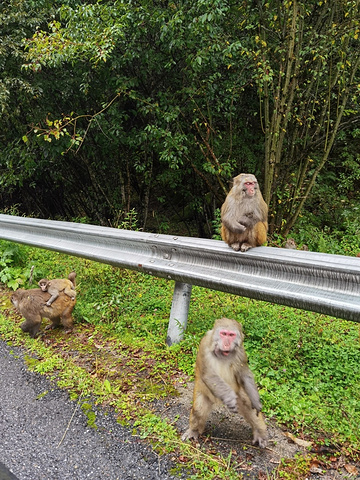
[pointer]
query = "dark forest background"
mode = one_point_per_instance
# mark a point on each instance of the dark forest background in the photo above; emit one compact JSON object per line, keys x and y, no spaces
{"x":137,"y":114}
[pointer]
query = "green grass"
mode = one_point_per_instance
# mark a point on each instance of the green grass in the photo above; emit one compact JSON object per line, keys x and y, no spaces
{"x":306,"y":365}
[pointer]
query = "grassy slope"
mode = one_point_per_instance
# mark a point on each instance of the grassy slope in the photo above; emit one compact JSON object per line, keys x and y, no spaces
{"x":306,"y":365}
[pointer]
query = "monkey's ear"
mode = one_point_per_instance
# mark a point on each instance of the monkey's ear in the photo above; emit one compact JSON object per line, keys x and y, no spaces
{"x":236,"y":180}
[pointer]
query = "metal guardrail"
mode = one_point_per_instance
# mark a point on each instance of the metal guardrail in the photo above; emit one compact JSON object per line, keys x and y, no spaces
{"x":318,"y":282}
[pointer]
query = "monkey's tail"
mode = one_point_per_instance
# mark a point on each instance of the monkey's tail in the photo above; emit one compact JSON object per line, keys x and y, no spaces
{"x":71,"y":277}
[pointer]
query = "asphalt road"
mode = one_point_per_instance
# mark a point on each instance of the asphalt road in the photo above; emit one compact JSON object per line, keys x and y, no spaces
{"x":35,"y":414}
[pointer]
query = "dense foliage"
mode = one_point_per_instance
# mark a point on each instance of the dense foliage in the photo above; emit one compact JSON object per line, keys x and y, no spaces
{"x":153,"y":106}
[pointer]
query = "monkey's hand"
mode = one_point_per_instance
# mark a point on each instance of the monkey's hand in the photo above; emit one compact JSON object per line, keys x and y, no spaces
{"x":250,"y":387}
{"x":230,"y":400}
{"x":49,"y":327}
{"x":245,"y":222}
{"x":223,"y":391}
{"x":234,"y":225}
{"x":257,"y":406}
{"x":48,"y":304}
{"x":239,"y":228}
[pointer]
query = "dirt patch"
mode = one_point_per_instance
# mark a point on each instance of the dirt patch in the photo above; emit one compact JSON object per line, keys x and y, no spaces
{"x":229,"y":434}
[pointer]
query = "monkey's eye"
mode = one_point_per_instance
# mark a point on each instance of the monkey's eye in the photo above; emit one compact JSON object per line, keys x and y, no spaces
{"x":227,"y":334}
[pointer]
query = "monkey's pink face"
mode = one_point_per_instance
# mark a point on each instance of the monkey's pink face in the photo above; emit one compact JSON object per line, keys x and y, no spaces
{"x":250,"y":188}
{"x":228,"y":340}
{"x":43,"y":286}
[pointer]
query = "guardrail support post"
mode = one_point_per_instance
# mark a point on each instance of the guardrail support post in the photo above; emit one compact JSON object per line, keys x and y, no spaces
{"x":179,"y":313}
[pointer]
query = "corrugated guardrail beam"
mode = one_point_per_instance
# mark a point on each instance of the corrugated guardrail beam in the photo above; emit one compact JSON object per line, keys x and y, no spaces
{"x":319,"y":282}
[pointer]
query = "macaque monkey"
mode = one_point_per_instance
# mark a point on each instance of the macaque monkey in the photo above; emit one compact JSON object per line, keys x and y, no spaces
{"x":54,"y":287}
{"x":31,"y":305}
{"x":222,"y":373}
{"x":244,"y":214}
{"x":290,"y":243}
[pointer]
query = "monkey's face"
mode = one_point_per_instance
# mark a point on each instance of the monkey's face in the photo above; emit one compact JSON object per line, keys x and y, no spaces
{"x":43,"y":284}
{"x":247,"y":183}
{"x":14,"y":301}
{"x":250,"y":188}
{"x":226,"y":341}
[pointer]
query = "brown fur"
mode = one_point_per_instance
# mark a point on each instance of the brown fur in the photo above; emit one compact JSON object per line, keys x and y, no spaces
{"x":31,"y":304}
{"x":244,"y":218}
{"x":224,"y":374}
{"x":290,"y":243}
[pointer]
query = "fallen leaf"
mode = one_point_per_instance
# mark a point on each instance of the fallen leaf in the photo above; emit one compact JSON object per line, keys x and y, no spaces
{"x":316,"y":470}
{"x":183,"y":459}
{"x":298,"y":441}
{"x":315,"y":463}
{"x":351,"y":469}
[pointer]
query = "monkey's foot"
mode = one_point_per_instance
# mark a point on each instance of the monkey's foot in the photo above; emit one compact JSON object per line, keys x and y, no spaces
{"x":190,"y":434}
{"x":245,"y":247}
{"x":235,"y":246}
{"x":261,"y":439}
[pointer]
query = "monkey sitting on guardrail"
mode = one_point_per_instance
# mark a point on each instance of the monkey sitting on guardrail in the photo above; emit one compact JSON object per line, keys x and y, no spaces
{"x":244,"y":214}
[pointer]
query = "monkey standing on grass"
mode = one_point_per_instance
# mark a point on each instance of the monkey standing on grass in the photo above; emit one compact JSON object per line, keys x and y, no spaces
{"x":54,"y":287}
{"x":244,"y":214}
{"x":222,"y":373}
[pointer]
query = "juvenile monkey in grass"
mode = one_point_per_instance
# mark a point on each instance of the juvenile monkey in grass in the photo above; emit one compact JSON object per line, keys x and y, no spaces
{"x":244,"y":214}
{"x":291,"y":244}
{"x":54,"y":287}
{"x":222,"y":373}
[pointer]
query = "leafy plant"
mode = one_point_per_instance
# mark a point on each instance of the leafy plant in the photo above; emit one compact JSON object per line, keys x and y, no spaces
{"x":211,"y":89}
{"x":11,"y":271}
{"x":128,"y":220}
